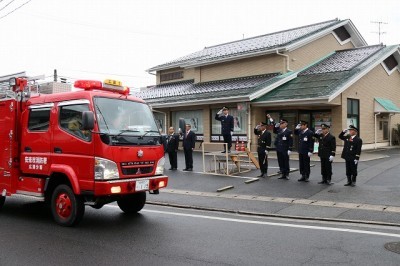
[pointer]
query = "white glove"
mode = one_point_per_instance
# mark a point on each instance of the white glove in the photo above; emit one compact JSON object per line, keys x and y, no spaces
{"x":331,"y":158}
{"x":180,"y":131}
{"x":345,"y":130}
{"x":298,"y":126}
{"x":271,"y":120}
{"x":266,"y":152}
{"x":355,"y":162}
{"x":309,"y":154}
{"x":289,"y":152}
{"x":231,"y":133}
{"x":277,"y":125}
{"x":318,"y":132}
{"x":219,"y":112}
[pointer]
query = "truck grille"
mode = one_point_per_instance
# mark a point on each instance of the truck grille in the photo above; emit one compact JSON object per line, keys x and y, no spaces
{"x":137,"y":168}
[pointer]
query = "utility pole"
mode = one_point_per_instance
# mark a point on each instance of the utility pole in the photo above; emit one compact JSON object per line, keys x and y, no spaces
{"x":379,"y":32}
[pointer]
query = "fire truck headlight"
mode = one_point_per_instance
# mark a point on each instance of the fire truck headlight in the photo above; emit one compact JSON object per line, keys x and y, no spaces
{"x":160,"y":166}
{"x":105,"y":169}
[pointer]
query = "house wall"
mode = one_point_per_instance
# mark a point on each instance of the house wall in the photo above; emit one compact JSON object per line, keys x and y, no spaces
{"x":315,"y":51}
{"x":376,"y":83}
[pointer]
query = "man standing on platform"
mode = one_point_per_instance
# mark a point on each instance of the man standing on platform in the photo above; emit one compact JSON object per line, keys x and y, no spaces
{"x":351,"y":153}
{"x":306,"y":148}
{"x":264,"y":143}
{"x":226,"y":126}
{"x":326,"y":152}
{"x":189,"y":141}
{"x":283,"y":144}
{"x":172,"y":148}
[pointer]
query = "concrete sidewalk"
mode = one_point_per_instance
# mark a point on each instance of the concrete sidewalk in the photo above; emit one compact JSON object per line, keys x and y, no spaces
{"x":376,"y":198}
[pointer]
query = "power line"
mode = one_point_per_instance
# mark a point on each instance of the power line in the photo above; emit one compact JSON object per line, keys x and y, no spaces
{"x":7,"y":5}
{"x":15,"y":9}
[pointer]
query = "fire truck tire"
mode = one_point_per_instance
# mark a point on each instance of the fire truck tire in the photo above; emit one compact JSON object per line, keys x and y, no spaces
{"x":132,"y":203}
{"x":2,"y":200}
{"x":67,"y":208}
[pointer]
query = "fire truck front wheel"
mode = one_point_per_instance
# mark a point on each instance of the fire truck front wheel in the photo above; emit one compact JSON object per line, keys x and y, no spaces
{"x":67,"y":208}
{"x":2,"y":200}
{"x":132,"y":203}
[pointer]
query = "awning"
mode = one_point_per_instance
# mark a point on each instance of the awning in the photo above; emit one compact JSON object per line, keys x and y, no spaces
{"x":383,"y":105}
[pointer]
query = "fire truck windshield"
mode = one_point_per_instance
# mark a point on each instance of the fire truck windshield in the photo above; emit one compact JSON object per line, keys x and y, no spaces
{"x":128,"y":122}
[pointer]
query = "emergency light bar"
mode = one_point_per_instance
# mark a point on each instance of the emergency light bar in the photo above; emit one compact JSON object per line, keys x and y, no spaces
{"x":107,"y":85}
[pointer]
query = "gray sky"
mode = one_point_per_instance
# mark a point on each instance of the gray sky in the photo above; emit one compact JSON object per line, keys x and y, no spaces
{"x":120,"y":39}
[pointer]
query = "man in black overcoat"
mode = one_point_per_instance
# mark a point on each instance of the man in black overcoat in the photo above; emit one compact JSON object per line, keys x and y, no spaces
{"x":264,"y":144}
{"x":351,"y":153}
{"x":326,"y":152}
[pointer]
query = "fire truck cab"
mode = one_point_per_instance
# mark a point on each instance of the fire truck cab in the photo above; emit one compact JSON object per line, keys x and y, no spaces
{"x":90,"y":147}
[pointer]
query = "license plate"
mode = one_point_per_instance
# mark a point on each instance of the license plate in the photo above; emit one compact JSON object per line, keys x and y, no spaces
{"x":142,"y":185}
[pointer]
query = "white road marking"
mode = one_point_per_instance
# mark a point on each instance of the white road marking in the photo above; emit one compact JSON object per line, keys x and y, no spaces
{"x":269,"y":223}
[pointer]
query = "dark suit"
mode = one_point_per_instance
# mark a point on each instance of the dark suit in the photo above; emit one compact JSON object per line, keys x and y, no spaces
{"x":283,"y":143}
{"x":326,"y":148}
{"x":189,"y":141}
{"x":351,"y":152}
{"x":306,"y":145}
{"x":264,"y":144}
{"x":226,"y":128}
{"x":172,"y":149}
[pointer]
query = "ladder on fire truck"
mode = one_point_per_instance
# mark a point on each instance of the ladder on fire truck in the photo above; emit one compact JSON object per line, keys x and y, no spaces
{"x":32,"y":86}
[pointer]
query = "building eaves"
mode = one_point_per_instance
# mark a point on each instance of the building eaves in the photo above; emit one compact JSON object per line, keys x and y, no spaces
{"x":248,"y":47}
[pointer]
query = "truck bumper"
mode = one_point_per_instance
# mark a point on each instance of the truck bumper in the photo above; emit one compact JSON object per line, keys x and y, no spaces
{"x":129,"y":186}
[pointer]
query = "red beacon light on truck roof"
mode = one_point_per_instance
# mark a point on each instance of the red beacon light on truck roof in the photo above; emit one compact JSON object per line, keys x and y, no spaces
{"x":107,"y":85}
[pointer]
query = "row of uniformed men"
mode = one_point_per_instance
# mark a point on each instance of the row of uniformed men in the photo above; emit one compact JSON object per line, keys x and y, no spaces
{"x":326,"y":149}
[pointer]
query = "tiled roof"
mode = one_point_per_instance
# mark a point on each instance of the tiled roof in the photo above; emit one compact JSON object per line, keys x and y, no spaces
{"x":188,"y":91}
{"x":248,"y":46}
{"x":326,"y":77}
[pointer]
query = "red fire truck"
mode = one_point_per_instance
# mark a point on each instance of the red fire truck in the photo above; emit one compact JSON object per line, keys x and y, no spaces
{"x":90,"y":147}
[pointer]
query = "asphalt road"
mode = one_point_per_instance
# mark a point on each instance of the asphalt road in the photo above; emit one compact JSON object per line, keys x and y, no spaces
{"x":169,"y":236}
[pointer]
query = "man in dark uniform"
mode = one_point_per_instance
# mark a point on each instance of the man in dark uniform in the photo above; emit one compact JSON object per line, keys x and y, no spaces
{"x":264,"y":143}
{"x":306,"y":148}
{"x":326,"y":152}
{"x":189,"y":141}
{"x":172,"y":148}
{"x":351,"y":153}
{"x":226,"y":126}
{"x":283,"y":144}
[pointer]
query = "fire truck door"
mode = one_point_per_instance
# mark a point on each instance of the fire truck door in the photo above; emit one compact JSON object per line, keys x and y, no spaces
{"x":7,"y":142}
{"x":71,"y":145}
{"x":35,"y":140}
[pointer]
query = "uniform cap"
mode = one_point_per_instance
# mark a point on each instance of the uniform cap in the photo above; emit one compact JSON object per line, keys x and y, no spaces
{"x":283,"y":121}
{"x":351,"y":127}
{"x":225,"y":108}
{"x":302,"y":122}
{"x":325,"y":126}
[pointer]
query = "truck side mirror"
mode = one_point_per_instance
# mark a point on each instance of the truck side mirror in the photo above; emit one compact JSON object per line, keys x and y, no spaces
{"x":87,"y":120}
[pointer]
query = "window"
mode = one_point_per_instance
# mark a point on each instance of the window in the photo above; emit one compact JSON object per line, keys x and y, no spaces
{"x":353,"y":111}
{"x":171,"y":76}
{"x":342,"y":33}
{"x":194,"y":118}
{"x":39,"y":119}
{"x":71,"y":120}
{"x":390,"y":62}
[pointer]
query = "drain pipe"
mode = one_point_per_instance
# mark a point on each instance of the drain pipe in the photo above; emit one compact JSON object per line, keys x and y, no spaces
{"x":375,"y":128}
{"x":390,"y":129}
{"x":249,"y":127}
{"x":287,"y":60}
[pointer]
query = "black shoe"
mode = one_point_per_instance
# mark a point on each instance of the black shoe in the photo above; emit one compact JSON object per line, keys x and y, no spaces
{"x":329,"y":182}
{"x":174,"y":168}
{"x":186,"y":169}
{"x":262,"y":175}
{"x":189,"y":169}
{"x":306,"y":180}
{"x":322,"y":182}
{"x":284,"y":177}
{"x":353,"y":184}
{"x":229,"y":151}
{"x":171,"y":169}
{"x":348,"y":184}
{"x":223,"y":151}
{"x":303,"y":178}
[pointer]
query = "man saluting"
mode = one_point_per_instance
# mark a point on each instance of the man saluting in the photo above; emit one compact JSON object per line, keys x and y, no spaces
{"x":226,"y":126}
{"x":264,"y":143}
